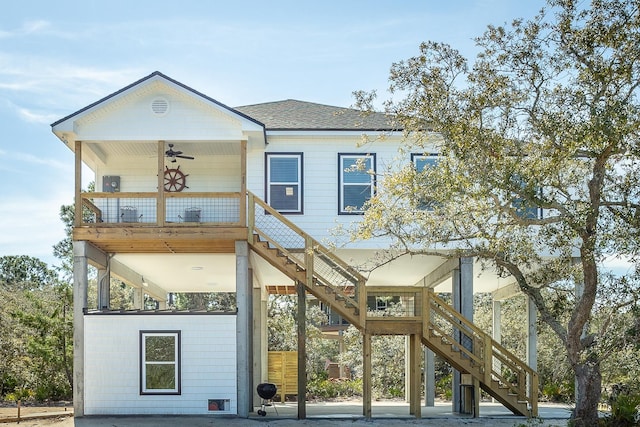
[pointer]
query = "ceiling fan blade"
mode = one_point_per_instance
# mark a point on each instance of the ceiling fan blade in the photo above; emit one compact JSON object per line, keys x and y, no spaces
{"x":185,"y":157}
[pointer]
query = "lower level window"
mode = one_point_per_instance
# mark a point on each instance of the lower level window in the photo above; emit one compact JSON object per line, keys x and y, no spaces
{"x":159,"y":362}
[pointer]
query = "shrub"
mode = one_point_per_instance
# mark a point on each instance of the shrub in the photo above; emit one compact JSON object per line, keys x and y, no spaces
{"x":624,"y":411}
{"x":321,"y":388}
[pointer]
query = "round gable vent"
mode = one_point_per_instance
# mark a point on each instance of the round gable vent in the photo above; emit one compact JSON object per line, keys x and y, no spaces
{"x":159,"y":106}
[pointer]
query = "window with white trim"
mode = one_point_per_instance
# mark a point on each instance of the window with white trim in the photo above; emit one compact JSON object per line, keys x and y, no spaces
{"x":356,"y":181}
{"x":160,"y":362}
{"x":524,"y":208}
{"x":284,"y":182}
{"x":422,"y":162}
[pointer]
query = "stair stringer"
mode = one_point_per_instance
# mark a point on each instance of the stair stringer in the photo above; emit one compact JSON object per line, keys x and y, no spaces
{"x":292,"y":269}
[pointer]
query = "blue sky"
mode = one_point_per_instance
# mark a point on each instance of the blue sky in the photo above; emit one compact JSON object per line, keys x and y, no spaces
{"x":59,"y":56}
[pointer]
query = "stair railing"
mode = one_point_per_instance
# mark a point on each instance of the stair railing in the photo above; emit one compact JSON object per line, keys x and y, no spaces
{"x":491,"y":361}
{"x":326,"y":268}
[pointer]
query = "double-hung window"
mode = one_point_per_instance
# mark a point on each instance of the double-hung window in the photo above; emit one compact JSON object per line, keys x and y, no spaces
{"x":356,"y":181}
{"x":422,"y":162}
{"x":284,"y":182}
{"x":160,"y":362}
{"x":523,"y":208}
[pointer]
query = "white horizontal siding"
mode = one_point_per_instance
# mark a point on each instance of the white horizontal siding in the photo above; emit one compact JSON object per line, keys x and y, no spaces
{"x":320,"y":191}
{"x":112,"y":364}
{"x":205,"y":173}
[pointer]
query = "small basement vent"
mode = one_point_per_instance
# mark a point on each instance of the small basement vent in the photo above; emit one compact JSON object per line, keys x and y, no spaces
{"x":219,"y":405}
{"x":160,"y":106}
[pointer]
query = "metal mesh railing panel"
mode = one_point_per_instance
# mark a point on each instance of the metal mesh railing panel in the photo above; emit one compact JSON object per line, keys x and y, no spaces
{"x":220,"y":210}
{"x":127,"y":209}
{"x":394,"y":304}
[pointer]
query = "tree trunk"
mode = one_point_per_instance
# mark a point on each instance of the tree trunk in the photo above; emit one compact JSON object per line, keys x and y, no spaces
{"x":588,"y":391}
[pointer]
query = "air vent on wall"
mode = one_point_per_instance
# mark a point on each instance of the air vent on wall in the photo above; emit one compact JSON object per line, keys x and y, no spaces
{"x":159,"y":106}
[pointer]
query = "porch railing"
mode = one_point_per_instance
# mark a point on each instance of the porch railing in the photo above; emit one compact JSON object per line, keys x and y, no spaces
{"x":153,"y":209}
{"x":495,"y":363}
{"x":321,"y":263}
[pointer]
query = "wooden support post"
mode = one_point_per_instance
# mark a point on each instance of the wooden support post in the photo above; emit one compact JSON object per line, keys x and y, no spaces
{"x":160,"y":205}
{"x":77,"y":220}
{"x":362,"y":301}
{"x":488,"y":359}
{"x":302,"y":356}
{"x":243,"y":182}
{"x":366,"y":375}
{"x":251,"y":215}
{"x":415,"y":354}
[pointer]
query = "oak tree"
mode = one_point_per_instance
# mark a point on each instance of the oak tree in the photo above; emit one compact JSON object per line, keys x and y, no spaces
{"x":537,"y":169}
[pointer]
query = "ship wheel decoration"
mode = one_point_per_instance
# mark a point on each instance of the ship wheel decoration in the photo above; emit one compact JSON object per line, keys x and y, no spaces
{"x":174,"y":180}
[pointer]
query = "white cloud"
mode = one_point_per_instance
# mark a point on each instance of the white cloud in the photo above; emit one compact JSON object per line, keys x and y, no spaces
{"x":33,"y":117}
{"x":27,"y":27}
{"x":35,"y":160}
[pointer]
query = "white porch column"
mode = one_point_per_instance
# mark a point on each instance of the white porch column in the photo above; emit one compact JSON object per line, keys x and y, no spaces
{"x":80,"y":284}
{"x":260,"y":353}
{"x":532,"y":335}
{"x":407,"y":369}
{"x":104,"y":289}
{"x":243,"y":329}
{"x":462,"y":298}
{"x":429,"y":378}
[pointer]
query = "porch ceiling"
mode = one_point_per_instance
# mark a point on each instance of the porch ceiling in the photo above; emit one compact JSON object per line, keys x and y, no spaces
{"x":150,"y":148}
{"x":215,"y":272}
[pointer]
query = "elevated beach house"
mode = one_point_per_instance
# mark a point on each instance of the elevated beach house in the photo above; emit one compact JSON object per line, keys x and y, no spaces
{"x":194,"y":196}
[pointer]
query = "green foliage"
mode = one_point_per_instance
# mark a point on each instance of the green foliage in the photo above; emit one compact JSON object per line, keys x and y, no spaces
{"x":625,"y":411}
{"x":324,"y":388}
{"x":387,"y":362}
{"x":208,"y":301}
{"x":443,"y":387}
{"x":281,"y":323}
{"x":20,"y":395}
{"x":24,"y":272}
{"x":546,"y":115}
{"x":36,"y":345}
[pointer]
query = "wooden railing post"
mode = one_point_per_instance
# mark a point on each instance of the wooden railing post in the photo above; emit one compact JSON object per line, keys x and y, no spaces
{"x":308,"y":260}
{"x":426,"y":312}
{"x":362,"y":301}
{"x":251,"y":217}
{"x":243,"y":183}
{"x":160,"y":202}
{"x":534,"y":393}
{"x":488,"y":359}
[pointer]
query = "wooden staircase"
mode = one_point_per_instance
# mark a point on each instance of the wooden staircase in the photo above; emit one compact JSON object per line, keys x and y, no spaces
{"x":444,"y":331}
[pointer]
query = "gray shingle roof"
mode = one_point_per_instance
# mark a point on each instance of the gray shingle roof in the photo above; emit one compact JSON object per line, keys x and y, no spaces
{"x":291,"y":114}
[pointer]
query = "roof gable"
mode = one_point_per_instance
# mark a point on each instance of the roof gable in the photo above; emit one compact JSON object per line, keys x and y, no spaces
{"x":155,"y":76}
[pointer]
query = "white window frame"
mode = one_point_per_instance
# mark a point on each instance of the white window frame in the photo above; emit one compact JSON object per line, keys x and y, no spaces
{"x":432,"y":162}
{"x":343,"y":207}
{"x":176,"y":362}
{"x":292,"y":184}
